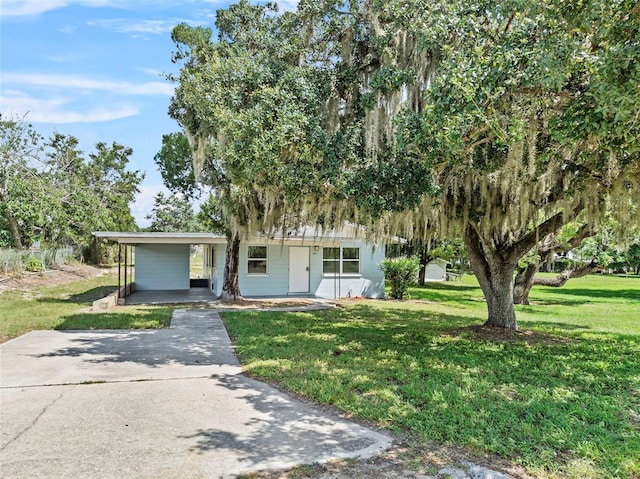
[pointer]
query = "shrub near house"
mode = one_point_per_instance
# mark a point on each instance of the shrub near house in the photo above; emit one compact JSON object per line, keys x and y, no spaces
{"x":401,"y":273}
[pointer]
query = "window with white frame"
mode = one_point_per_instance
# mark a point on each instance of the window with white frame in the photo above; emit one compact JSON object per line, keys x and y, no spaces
{"x":257,"y":260}
{"x":351,"y":260}
{"x":338,"y":260}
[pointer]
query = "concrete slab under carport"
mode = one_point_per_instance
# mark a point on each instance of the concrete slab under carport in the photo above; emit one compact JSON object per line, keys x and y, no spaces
{"x":180,"y":296}
{"x":206,"y":296}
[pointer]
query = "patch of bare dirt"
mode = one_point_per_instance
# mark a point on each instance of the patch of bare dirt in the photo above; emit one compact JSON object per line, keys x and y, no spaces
{"x":28,"y":281}
{"x":408,"y":458}
{"x":266,"y":303}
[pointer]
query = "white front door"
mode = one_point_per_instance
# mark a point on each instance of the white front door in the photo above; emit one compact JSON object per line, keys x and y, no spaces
{"x":298,"y":269}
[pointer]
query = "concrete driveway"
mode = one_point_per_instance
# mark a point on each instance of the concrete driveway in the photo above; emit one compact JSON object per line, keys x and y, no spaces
{"x":166,"y":403}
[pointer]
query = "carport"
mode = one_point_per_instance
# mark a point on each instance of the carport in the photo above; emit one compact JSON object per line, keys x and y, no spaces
{"x":154,"y":267}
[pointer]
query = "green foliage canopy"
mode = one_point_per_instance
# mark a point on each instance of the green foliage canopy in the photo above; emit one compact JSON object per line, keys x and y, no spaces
{"x":21,"y":192}
{"x":500,"y":120}
{"x":249,"y":111}
{"x":49,"y":190}
{"x":173,"y":213}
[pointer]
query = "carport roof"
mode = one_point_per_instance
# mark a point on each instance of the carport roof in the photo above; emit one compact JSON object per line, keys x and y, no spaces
{"x":160,"y":238}
{"x":349,"y":232}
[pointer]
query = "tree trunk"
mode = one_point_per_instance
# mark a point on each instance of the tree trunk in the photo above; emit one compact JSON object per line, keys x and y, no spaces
{"x":14,"y":229}
{"x":230,"y":285}
{"x":547,"y":250}
{"x":93,"y":252}
{"x":424,"y":259}
{"x":494,"y":271}
{"x":523,"y":283}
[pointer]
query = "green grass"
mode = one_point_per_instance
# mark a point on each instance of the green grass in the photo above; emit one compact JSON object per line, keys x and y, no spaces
{"x":561,"y":398}
{"x":66,"y":307}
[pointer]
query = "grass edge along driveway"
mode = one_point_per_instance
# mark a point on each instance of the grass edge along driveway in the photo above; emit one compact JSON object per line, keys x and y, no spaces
{"x":561,"y":398}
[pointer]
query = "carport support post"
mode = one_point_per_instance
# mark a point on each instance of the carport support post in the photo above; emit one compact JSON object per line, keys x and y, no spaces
{"x":125,"y":269}
{"x":119,"y":264}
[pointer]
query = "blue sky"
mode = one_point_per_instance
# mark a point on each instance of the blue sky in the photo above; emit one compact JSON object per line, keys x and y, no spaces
{"x":94,"y":69}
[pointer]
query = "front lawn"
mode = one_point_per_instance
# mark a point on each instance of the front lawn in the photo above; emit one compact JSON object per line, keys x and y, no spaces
{"x":66,"y":306}
{"x":561,"y":398}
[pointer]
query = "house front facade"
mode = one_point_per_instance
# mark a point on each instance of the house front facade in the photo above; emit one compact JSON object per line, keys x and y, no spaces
{"x":325,"y":269}
{"x":331,"y":265}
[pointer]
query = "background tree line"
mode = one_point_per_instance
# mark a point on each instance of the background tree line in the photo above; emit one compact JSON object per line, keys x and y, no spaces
{"x":53,"y":193}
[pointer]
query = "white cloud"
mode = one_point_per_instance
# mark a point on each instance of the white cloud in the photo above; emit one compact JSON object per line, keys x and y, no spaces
{"x":53,"y":110}
{"x":287,"y":5}
{"x":154,"y":27}
{"x":11,"y":8}
{"x":143,"y":203}
{"x":15,"y":8}
{"x":69,"y":29}
{"x":151,"y":71}
{"x":61,"y":99}
{"x":66,"y":58}
{"x":60,"y":81}
{"x":95,"y":115}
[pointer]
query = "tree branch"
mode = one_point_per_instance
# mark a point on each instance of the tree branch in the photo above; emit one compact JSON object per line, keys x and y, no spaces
{"x":531,"y":239}
{"x":585,"y":231}
{"x":565,"y":276}
{"x":508,"y":25}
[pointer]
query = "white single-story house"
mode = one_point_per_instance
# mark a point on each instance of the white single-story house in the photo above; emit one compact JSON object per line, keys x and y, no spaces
{"x":436,"y":270}
{"x":302,"y":263}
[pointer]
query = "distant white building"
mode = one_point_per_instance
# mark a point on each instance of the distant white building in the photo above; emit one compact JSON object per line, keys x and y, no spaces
{"x":436,"y":270}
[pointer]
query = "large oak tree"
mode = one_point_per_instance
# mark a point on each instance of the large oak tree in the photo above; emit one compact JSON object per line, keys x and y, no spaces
{"x":524,"y":113}
{"x":501,"y":120}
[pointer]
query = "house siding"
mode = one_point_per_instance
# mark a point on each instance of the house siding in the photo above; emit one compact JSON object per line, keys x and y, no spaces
{"x":370,"y":282}
{"x":275,"y":282}
{"x":167,"y":267}
{"x":162,"y":267}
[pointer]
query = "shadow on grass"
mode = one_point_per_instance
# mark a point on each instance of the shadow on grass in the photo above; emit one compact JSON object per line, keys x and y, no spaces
{"x":442,"y":297}
{"x":543,"y":325}
{"x":444,"y":292}
{"x":86,"y":297}
{"x":92,"y":294}
{"x":591,"y":294}
{"x":138,"y":318}
{"x":447,"y":286}
{"x":364,"y":333}
{"x":538,"y":305}
{"x":391,"y":316}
